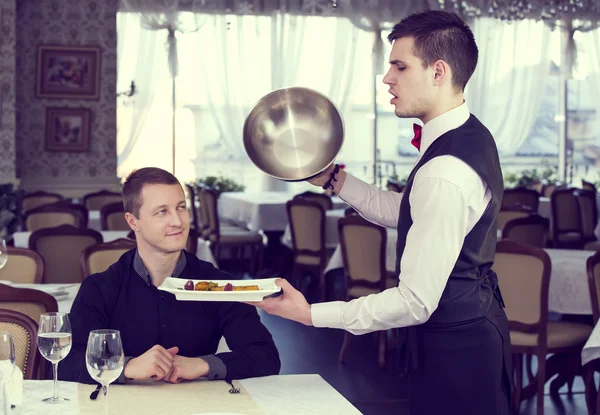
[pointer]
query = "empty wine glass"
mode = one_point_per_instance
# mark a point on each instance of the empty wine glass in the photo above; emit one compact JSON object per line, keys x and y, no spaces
{"x":3,"y":253}
{"x":7,"y":365}
{"x":54,"y":343}
{"x":104,"y":358}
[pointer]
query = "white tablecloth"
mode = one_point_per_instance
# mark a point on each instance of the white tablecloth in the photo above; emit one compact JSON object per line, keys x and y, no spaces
{"x":64,"y":293}
{"x":591,"y":350}
{"x":265,"y":210}
{"x":272,"y":395}
{"x":204,"y":253}
{"x":94,"y":220}
{"x":569,"y":291}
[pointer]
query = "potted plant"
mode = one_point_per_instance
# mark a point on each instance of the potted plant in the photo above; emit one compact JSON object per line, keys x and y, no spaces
{"x":10,"y":210}
{"x":219,"y":183}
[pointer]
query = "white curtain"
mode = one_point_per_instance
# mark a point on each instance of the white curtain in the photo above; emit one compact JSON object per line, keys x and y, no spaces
{"x":141,"y":70}
{"x":507,"y":87}
{"x":590,"y":43}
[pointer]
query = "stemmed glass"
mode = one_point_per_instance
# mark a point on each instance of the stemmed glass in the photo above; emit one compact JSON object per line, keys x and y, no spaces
{"x":7,"y":365}
{"x":3,"y":253}
{"x":104,"y":358}
{"x":54,"y":343}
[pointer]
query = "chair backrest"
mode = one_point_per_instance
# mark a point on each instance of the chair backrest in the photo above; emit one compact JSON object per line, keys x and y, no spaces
{"x":350,"y":211}
{"x":40,"y":198}
{"x":51,"y":216}
{"x":192,"y":242}
{"x":307,"y":225}
{"x":95,"y":201}
{"x":593,"y":272}
{"x":210,"y":200}
{"x":82,"y":210}
{"x":524,"y":278}
{"x":24,"y":266}
{"x":521,"y":198}
{"x":97,"y":258}
{"x":506,"y":215}
{"x":363,"y":251}
{"x":589,"y":213}
{"x":585,"y":185}
{"x":24,"y":333}
{"x":320,"y":198}
{"x":203,"y":208}
{"x":61,"y":248}
{"x":30,"y":302}
{"x":112,"y":217}
{"x":531,"y":230}
{"x":549,"y":189}
{"x":196,"y":222}
{"x":566,"y":214}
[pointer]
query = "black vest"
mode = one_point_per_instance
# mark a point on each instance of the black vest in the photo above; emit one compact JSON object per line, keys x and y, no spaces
{"x":472,"y":283}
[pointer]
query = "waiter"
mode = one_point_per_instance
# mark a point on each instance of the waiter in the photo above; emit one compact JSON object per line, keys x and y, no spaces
{"x":455,"y":339}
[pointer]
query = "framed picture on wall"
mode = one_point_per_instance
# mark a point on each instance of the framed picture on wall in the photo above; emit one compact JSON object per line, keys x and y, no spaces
{"x":68,"y":72}
{"x":68,"y":129}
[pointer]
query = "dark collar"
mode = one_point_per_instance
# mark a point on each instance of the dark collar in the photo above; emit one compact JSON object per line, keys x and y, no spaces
{"x":140,"y":268}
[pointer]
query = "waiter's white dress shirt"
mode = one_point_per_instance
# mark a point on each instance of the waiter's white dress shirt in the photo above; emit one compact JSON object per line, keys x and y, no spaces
{"x":446,"y":201}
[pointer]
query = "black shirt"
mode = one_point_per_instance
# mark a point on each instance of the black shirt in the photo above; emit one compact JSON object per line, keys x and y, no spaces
{"x":119,"y":299}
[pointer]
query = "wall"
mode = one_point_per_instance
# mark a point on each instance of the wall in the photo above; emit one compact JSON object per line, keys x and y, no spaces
{"x":7,"y":90}
{"x":66,"y":22}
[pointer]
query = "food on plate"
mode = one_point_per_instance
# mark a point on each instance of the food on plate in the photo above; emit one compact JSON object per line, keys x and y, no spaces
{"x":213,"y":286}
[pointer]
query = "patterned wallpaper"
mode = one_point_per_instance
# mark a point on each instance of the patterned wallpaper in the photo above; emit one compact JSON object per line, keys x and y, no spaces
{"x":7,"y":89}
{"x":65,"y":22}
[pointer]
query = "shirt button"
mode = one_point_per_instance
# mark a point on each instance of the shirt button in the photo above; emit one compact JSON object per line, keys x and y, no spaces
{"x":164,"y":326}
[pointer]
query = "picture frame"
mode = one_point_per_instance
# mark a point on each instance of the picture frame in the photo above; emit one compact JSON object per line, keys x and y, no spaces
{"x":68,"y":129}
{"x":68,"y":72}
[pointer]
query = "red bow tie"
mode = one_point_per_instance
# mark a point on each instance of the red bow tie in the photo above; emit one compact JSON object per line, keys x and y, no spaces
{"x":416,"y":141}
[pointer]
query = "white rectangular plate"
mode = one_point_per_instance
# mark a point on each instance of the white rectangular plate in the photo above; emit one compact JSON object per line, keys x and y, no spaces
{"x":265,"y":287}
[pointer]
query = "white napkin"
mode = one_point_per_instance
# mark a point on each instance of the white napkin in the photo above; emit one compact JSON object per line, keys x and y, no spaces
{"x":15,"y":387}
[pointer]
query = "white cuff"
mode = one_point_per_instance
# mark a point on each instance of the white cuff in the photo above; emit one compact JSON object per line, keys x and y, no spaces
{"x":328,"y":314}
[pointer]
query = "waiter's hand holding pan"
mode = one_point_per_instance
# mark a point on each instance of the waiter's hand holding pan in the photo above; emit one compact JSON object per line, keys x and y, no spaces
{"x":294,"y":134}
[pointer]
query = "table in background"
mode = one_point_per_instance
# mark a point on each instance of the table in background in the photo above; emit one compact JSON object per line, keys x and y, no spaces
{"x":265,"y":210}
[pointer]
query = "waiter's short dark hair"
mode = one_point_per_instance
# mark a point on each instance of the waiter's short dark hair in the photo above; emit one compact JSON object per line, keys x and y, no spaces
{"x":135,"y":182}
{"x":441,"y":35}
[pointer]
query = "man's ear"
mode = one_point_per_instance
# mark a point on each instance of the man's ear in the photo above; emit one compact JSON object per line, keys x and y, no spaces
{"x":131,"y":221}
{"x":441,"y":72}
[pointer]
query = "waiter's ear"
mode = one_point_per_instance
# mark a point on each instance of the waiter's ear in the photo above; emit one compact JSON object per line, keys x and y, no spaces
{"x":441,"y":72}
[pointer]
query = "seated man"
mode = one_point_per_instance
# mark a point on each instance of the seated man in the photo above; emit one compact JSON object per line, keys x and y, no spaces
{"x":165,"y":339}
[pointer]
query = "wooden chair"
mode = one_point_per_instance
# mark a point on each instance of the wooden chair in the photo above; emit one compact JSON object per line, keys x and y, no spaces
{"x":61,"y":248}
{"x":589,"y":214}
{"x":363,"y":247}
{"x":112,"y":217}
{"x":524,"y":278}
{"x":40,"y":198}
{"x":193,"y":198}
{"x":82,"y":210}
{"x":24,"y":266}
{"x":96,"y":200}
{"x":307,"y":226}
{"x":234,"y":238}
{"x":506,"y":215}
{"x":98,"y":258}
{"x":521,"y":198}
{"x":28,"y":301}
{"x":24,"y":333}
{"x":567,"y":230}
{"x":593,"y":272}
{"x":321,"y":198}
{"x":51,"y":216}
{"x":531,"y":230}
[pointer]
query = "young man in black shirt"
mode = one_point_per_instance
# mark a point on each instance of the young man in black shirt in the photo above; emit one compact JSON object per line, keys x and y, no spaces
{"x":165,"y":339}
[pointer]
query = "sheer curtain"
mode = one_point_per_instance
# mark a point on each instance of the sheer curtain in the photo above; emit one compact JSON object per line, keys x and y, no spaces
{"x":136,"y":61}
{"x":507,"y":87}
{"x":590,"y":43}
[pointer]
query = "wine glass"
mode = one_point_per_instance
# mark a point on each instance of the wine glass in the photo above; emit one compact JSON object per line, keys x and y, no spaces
{"x":54,"y":343}
{"x":7,"y":365}
{"x":104,"y":358}
{"x":3,"y":253}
